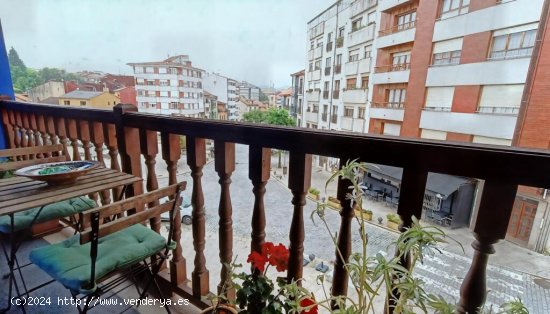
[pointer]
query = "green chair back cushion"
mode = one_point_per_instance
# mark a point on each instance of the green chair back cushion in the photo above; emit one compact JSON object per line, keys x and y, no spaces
{"x":23,"y":219}
{"x":69,"y":263}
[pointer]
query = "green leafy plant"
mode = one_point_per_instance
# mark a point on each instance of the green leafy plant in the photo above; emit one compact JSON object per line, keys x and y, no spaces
{"x":393,"y":218}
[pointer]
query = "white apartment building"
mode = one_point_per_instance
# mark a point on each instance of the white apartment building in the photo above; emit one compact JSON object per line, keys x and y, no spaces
{"x":225,"y":89}
{"x":248,"y":91}
{"x":172,"y":86}
{"x":339,"y":61}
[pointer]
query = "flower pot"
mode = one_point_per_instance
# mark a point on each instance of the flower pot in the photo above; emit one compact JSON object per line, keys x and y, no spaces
{"x":334,"y":204}
{"x":363,"y":215}
{"x":220,"y":309}
{"x":313,"y":196}
{"x":393,"y":225}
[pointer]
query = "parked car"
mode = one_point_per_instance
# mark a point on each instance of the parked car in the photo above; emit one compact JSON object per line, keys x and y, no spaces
{"x":185,"y":211}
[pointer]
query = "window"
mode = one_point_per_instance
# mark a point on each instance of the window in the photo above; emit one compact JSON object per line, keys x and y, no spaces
{"x":312,"y":45}
{"x":138,"y":70}
{"x":406,"y":21}
{"x":173,"y":105}
{"x":337,"y":85}
{"x":325,"y":108}
{"x":339,"y":59}
{"x":367,"y":52}
{"x":354,"y":55}
{"x":328,"y":62}
{"x":318,"y":64}
{"x":329,"y":38}
{"x":356,"y":24}
{"x":163,"y":94}
{"x":315,"y":108}
{"x":140,"y":92}
{"x":350,"y":83}
{"x":149,"y":70}
{"x":164,"y":82}
{"x":401,"y":61}
{"x":173,"y":70}
{"x":450,"y":8}
{"x":513,"y":45}
{"x":140,"y":81}
{"x":153,"y":105}
{"x":150,"y":82}
{"x":341,"y":32}
{"x":327,"y":86}
{"x":447,"y":58}
{"x":361,"y":114}
{"x":348,"y":112}
{"x":83,"y":103}
{"x":396,"y":97}
{"x":162,"y":70}
{"x":67,"y":102}
{"x":365,"y":82}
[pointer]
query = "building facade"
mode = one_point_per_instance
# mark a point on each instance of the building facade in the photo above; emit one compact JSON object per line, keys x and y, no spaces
{"x":248,"y":91}
{"x":225,"y":89}
{"x":447,"y":70}
{"x":339,"y":62}
{"x":298,"y":80}
{"x":172,"y":86}
{"x":101,"y":100}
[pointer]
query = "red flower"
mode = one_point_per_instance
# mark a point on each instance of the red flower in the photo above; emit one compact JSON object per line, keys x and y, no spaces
{"x":258,"y":260}
{"x":307,"y":302}
{"x":278,"y":257}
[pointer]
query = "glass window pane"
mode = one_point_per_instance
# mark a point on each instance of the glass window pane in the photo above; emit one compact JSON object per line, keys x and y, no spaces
{"x":529,"y":39}
{"x":499,"y":43}
{"x":446,"y":6}
{"x":515,"y":41}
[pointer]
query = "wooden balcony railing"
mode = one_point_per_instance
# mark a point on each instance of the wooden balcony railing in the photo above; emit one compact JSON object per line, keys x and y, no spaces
{"x":132,"y":137}
{"x":392,"y":67}
{"x":397,"y":28}
{"x":388,"y":105}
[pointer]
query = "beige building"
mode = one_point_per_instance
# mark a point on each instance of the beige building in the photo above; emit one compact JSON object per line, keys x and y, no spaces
{"x":102,"y":100}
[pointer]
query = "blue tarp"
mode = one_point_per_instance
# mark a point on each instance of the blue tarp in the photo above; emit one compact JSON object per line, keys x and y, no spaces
{"x":6,"y":86}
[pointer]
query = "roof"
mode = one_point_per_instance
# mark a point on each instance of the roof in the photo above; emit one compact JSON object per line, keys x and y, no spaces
{"x":50,"y":100}
{"x":299,"y":73}
{"x":21,"y":97}
{"x":81,"y":94}
{"x":437,"y":182}
{"x":172,"y":61}
{"x":286,"y":92}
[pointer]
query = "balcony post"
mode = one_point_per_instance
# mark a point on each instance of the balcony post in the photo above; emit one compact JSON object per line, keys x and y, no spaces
{"x":498,"y":197}
{"x":127,"y":140}
{"x":8,"y":127}
{"x":97,"y":138}
{"x":259,"y":164}
{"x":343,"y":251}
{"x":225,"y":165}
{"x":196,"y":159}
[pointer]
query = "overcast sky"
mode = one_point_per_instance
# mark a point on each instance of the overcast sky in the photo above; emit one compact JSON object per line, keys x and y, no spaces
{"x":261,"y":41}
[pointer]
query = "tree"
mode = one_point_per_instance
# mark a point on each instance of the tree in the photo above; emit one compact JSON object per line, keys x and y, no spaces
{"x":263,"y":97}
{"x":272,"y":116}
{"x":14,"y":60}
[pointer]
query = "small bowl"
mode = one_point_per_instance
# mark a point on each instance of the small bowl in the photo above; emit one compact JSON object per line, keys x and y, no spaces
{"x":58,"y":173}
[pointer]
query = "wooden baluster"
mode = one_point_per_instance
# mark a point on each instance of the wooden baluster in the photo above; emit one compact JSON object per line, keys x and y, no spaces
{"x":96,"y":136}
{"x":149,"y":148}
{"x":196,"y":158}
{"x":259,"y":163}
{"x":492,"y":220}
{"x":225,"y":165}
{"x":8,"y":126}
{"x":83,"y":133}
{"x":41,"y":126}
{"x":16,"y":132}
{"x":343,"y":252}
{"x":299,"y":181}
{"x":34,"y":128}
{"x":30,"y":133}
{"x":70,"y":125}
{"x":171,"y":153}
{"x":50,"y":129}
{"x":411,"y":199}
{"x":109,"y":132}
{"x":22,"y":132}
{"x":61,"y":130}
{"x":127,"y":140}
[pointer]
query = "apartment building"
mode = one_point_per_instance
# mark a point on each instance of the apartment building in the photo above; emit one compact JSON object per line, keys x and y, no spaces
{"x":298,"y":80}
{"x":171,"y":86}
{"x":338,"y":66}
{"x":101,"y":100}
{"x":225,"y":89}
{"x":447,"y":70}
{"x":248,"y":91}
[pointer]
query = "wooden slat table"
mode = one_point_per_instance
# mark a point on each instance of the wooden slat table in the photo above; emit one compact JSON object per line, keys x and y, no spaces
{"x":19,"y":193}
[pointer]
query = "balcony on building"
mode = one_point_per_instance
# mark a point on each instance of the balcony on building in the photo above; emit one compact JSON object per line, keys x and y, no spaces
{"x":388,"y":5}
{"x":354,"y":96}
{"x":327,"y":70}
{"x":393,"y":73}
{"x":340,"y":42}
{"x":315,"y":75}
{"x":387,"y":111}
{"x":334,"y":118}
{"x":313,"y":94}
{"x":329,"y":46}
{"x":361,"y":35}
{"x":324,"y":116}
{"x":325,"y":94}
{"x":335,"y":94}
{"x":318,"y":51}
{"x":312,"y":117}
{"x":352,"y":124}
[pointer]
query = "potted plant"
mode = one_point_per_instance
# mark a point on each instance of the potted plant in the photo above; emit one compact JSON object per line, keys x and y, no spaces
{"x":313,"y":193}
{"x":334,"y":202}
{"x":393,"y":221}
{"x":366,"y":214}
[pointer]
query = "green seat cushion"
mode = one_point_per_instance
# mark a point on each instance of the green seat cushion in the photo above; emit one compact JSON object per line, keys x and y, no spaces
{"x":23,"y":219}
{"x":69,"y":263}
